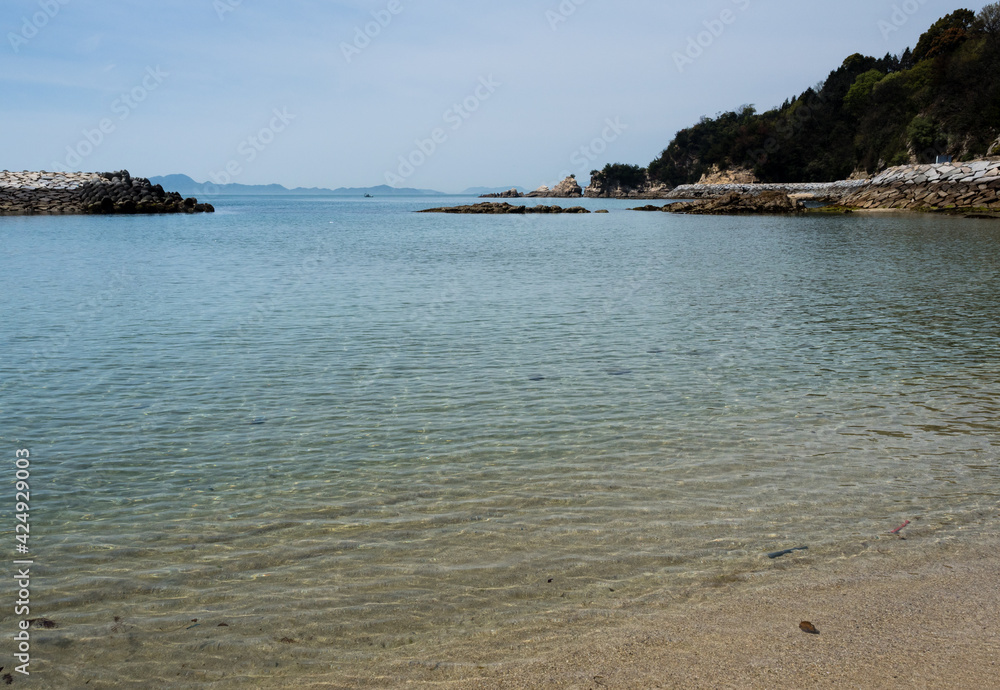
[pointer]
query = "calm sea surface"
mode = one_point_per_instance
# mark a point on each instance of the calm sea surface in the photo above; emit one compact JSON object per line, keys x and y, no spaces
{"x":361,"y":437}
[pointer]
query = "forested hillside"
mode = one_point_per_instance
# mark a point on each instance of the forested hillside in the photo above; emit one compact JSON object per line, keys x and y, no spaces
{"x":941,"y":97}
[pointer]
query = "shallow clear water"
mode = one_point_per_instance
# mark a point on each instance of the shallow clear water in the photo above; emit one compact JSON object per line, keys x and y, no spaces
{"x":358,"y":435}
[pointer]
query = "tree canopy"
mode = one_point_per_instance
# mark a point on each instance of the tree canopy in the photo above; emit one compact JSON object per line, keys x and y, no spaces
{"x":943,"y":97}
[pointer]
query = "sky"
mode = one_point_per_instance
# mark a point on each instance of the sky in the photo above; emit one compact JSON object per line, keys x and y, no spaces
{"x":412,"y":93}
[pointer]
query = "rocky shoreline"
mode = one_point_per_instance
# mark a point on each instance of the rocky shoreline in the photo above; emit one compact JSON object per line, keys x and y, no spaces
{"x":970,"y":186}
{"x":957,"y":186}
{"x":971,"y":189}
{"x":51,"y":193}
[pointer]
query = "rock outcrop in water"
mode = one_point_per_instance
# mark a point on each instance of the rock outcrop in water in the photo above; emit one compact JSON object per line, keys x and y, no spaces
{"x":729,"y":176}
{"x":735,"y":204}
{"x":567,"y":189}
{"x":31,"y":193}
{"x":511,"y":193}
{"x":599,"y":188}
{"x":500,"y":209}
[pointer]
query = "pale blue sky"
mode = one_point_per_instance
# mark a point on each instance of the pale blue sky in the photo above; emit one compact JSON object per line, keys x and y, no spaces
{"x":187,"y":86}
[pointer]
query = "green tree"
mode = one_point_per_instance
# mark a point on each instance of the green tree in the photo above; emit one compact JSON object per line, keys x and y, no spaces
{"x":988,"y":20}
{"x":621,"y":174}
{"x":923,"y":134}
{"x":957,"y":25}
{"x":859,"y":93}
{"x":943,"y":97}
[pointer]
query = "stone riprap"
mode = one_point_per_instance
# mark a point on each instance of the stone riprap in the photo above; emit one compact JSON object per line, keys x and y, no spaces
{"x":909,"y":187}
{"x":959,"y":185}
{"x":50,"y":193}
{"x":829,"y":192}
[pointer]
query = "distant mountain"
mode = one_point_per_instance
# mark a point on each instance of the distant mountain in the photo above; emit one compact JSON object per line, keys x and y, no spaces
{"x":185,"y":186}
{"x":381,"y":190}
{"x":479,"y":191}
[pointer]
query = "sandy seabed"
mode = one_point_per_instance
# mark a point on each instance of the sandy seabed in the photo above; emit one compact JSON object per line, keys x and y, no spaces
{"x":907,"y":614}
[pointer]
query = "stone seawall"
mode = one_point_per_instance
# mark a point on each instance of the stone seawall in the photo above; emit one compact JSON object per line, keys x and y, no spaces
{"x":959,"y":185}
{"x":829,"y":192}
{"x":50,"y":193}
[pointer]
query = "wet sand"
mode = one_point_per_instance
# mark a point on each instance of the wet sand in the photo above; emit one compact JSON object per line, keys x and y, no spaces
{"x":905,"y":614}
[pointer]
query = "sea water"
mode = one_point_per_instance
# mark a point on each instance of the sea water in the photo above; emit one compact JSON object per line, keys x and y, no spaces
{"x":319,"y":439}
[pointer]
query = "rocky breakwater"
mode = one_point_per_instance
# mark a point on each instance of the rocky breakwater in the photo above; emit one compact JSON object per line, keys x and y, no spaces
{"x":40,"y":193}
{"x":29,"y":193}
{"x":500,"y":209}
{"x":567,"y":189}
{"x":963,"y":186}
{"x":735,"y":204}
{"x":827,"y":192}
